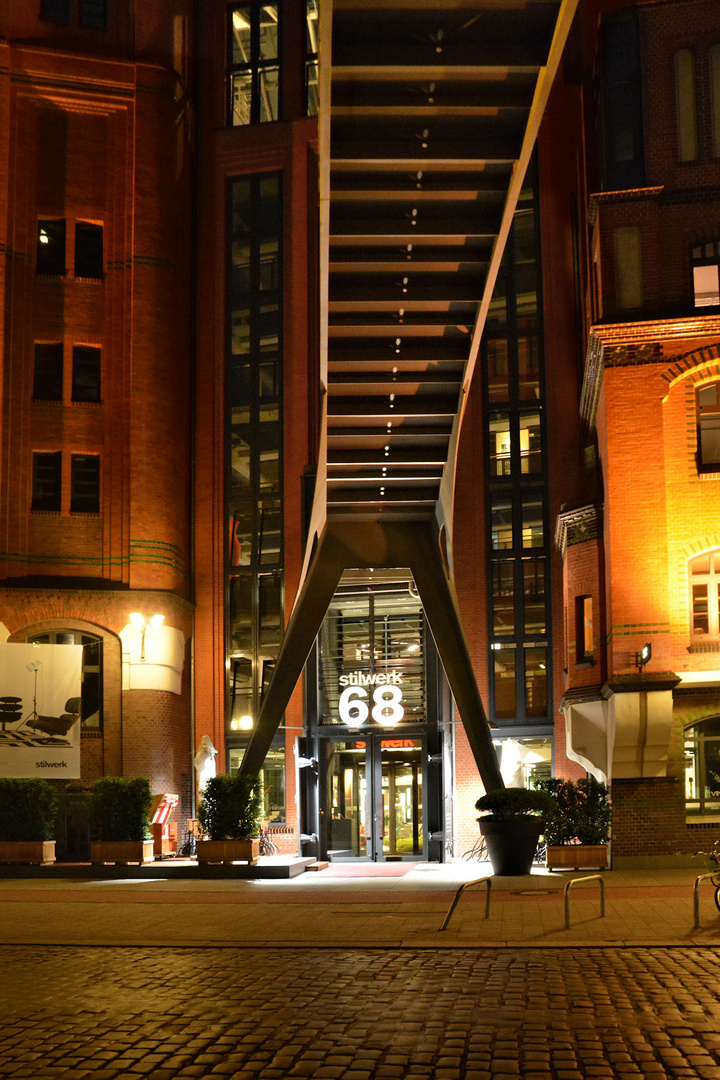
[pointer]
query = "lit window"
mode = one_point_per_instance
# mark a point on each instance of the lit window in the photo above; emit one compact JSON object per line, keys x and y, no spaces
{"x":85,"y":484}
{"x":702,"y":767}
{"x":500,"y":458}
{"x":50,"y":257}
{"x":704,"y":573}
{"x":272,"y":780}
{"x":254,"y":64}
{"x":88,"y":250}
{"x":530,"y":447}
{"x":532,"y":521}
{"x":584,"y":639}
{"x":86,"y":373}
{"x":46,"y":481}
{"x":501,"y":525}
{"x":686,"y":105}
{"x":628,"y":267}
{"x":311,"y":58}
{"x":707,"y":400}
{"x":48,"y":373}
{"x":706,"y":279}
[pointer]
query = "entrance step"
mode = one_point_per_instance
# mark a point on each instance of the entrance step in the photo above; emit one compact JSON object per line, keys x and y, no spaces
{"x":318,"y":866}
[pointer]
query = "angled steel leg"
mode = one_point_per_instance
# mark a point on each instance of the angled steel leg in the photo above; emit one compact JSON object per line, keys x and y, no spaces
{"x":309,"y":610}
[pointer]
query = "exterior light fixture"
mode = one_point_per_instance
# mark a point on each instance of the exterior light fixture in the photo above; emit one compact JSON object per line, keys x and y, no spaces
{"x":138,"y":620}
{"x":643,"y":657}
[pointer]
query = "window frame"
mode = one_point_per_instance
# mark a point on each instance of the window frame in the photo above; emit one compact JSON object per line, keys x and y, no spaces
{"x":93,"y":268}
{"x":710,"y":579}
{"x":255,"y":66}
{"x":48,"y":262}
{"x":81,"y":354}
{"x":46,"y":489}
{"x":42,"y":373}
{"x":686,"y":103}
{"x":709,"y":412}
{"x":705,"y":253}
{"x":81,"y":476}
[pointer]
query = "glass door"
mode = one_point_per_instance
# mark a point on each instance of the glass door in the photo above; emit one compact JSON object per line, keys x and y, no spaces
{"x":373,"y":795}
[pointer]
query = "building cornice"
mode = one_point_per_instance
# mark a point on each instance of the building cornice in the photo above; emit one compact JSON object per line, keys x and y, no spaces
{"x":577,"y":526}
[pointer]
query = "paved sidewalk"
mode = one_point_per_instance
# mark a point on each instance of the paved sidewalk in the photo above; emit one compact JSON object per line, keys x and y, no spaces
{"x":642,"y":908}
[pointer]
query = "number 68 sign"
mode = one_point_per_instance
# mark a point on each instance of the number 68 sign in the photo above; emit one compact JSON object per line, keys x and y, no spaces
{"x":387,"y":708}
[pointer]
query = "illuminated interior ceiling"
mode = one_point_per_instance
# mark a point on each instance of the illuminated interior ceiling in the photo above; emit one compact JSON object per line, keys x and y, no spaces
{"x":434,"y":111}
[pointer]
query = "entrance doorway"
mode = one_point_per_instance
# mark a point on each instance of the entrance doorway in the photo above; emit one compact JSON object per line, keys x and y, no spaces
{"x":372,"y":797}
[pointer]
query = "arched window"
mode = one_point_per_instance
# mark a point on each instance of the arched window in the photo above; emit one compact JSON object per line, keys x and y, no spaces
{"x":686,"y":105}
{"x":702,"y":767}
{"x":91,"y":712}
{"x":707,"y":402}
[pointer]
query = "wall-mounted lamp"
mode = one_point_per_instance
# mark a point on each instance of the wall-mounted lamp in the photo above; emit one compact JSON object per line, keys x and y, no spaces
{"x":643,"y":657}
{"x":138,"y":619}
{"x":245,"y":723}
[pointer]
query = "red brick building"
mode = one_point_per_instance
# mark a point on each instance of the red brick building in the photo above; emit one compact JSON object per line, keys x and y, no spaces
{"x":168,"y":321}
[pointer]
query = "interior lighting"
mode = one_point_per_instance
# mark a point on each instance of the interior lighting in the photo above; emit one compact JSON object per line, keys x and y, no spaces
{"x":44,"y":238}
{"x":245,"y":723}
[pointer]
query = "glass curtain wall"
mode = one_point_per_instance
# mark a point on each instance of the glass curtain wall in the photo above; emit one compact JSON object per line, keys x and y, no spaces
{"x":518,"y":541}
{"x":254,"y":551}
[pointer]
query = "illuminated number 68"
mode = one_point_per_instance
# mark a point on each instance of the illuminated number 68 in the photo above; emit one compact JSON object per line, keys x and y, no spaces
{"x":352,"y":712}
{"x":387,"y":698}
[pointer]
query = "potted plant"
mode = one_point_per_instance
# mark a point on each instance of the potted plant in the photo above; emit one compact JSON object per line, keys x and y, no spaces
{"x":512,"y":824}
{"x":230,"y":815}
{"x":120,"y":818}
{"x":27,"y":820}
{"x":578,"y":831}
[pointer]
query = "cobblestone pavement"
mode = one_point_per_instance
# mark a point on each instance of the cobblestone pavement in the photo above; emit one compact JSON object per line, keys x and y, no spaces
{"x":469,"y":1014}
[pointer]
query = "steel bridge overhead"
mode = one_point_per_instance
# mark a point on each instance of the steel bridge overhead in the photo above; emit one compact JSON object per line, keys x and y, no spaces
{"x":429,"y":113}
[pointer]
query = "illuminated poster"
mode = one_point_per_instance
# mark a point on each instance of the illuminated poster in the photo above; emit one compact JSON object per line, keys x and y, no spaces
{"x":40,"y":710}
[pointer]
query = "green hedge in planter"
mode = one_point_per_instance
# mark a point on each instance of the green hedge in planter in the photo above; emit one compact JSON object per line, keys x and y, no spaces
{"x":507,"y":804}
{"x":120,"y":808}
{"x":582,"y":811}
{"x":231,"y":807}
{"x":27,"y":809}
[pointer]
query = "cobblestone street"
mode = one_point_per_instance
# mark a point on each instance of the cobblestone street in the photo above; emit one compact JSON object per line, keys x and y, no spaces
{"x":463,"y":1014}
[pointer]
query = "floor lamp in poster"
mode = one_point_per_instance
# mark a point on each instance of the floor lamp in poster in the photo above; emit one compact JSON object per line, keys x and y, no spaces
{"x":34,"y":666}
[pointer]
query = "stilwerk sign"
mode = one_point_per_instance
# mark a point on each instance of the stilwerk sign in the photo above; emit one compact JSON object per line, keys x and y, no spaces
{"x":40,"y":710}
{"x":387,"y":708}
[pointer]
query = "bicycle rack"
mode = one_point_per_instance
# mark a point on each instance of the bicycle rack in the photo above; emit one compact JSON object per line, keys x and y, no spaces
{"x":478,"y":881}
{"x":696,"y":894}
{"x":575,"y":881}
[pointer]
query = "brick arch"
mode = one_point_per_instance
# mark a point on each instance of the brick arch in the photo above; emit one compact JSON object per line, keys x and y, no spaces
{"x":710,"y":542}
{"x":693,"y":717}
{"x":112,"y":681}
{"x":696,"y":366}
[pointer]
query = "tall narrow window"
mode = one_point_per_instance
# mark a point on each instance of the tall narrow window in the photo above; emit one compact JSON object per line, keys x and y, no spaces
{"x":50,"y":257}
{"x":311,"y":57}
{"x":88,"y":250}
{"x":255,"y":492}
{"x":707,"y":401}
{"x":48,"y":373}
{"x":628,"y":267}
{"x":686,"y":105}
{"x":46,"y":480}
{"x":254,"y":63}
{"x":584,"y":639}
{"x":86,"y":373}
{"x":715,"y":94}
{"x":621,"y":100}
{"x":85,"y":484}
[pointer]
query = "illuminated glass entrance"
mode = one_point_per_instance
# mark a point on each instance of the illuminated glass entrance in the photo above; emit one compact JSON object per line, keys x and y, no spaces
{"x":373,"y":798}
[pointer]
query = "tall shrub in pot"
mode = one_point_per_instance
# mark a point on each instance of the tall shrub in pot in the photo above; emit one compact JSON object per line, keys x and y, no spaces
{"x":512,"y":822}
{"x":229,"y":814}
{"x":120,"y":818}
{"x":578,"y":831}
{"x":28,"y":807}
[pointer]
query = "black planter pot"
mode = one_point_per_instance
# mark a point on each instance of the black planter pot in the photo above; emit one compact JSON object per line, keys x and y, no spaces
{"x":511,"y":844}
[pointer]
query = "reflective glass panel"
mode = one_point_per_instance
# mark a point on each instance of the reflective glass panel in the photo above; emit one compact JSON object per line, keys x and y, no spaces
{"x":504,"y":677}
{"x":536,"y":690}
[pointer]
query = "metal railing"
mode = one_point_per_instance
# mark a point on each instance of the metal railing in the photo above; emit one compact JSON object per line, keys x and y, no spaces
{"x":696,"y":895}
{"x":478,"y":881}
{"x":576,"y":881}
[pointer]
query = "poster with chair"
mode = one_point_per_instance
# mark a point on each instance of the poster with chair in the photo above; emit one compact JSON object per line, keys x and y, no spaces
{"x":40,"y":710}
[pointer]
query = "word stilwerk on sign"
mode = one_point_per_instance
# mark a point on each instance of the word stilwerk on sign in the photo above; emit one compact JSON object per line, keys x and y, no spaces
{"x":386,"y":696}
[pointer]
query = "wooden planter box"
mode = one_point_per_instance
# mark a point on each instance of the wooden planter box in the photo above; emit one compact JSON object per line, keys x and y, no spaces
{"x":121,"y":851}
{"x":577,"y":857}
{"x":33,"y":852}
{"x":228,"y":851}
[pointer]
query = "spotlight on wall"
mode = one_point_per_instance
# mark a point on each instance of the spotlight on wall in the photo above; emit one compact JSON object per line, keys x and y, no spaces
{"x":643,"y":657}
{"x":138,"y":619}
